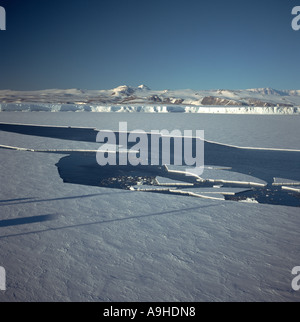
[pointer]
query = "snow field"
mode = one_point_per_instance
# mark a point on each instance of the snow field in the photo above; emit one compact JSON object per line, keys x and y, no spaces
{"x":113,"y":245}
{"x":100,"y":244}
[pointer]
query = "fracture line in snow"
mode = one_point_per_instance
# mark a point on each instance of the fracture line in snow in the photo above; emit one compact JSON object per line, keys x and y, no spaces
{"x":180,"y":192}
{"x":193,"y":194}
{"x":252,"y":148}
{"x":8,"y":147}
{"x":296,"y":189}
{"x":185,"y":173}
{"x":285,"y":182}
{"x":218,"y":181}
{"x":15,"y":148}
{"x":149,"y":133}
{"x":43,"y":150}
{"x":248,"y":183}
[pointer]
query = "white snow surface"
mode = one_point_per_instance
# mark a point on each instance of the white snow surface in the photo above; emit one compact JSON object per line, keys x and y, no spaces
{"x":68,"y":242}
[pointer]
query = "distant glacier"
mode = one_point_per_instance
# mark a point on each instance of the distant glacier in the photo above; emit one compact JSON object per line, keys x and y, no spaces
{"x":48,"y":107}
{"x":143,"y":99}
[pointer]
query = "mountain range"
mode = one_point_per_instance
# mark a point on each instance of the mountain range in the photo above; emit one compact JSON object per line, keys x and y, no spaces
{"x":143,"y":95}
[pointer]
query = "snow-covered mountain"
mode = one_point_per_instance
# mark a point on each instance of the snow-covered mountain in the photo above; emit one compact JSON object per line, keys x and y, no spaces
{"x":142,"y":98}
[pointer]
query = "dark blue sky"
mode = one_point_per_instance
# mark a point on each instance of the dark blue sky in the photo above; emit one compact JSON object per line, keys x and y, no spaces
{"x":101,"y":44}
